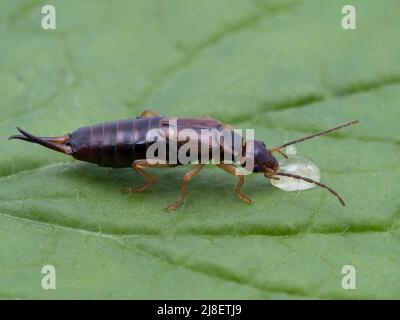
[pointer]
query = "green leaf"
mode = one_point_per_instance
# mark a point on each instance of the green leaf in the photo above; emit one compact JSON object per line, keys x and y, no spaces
{"x":284,"y":68}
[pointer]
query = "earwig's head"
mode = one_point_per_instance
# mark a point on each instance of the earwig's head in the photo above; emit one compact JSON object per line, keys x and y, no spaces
{"x":263,"y":158}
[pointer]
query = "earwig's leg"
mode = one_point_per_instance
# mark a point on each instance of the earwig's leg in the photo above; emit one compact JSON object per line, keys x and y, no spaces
{"x":138,"y":166}
{"x":185,"y":180}
{"x":241,"y":195}
{"x":149,"y":113}
{"x":231,"y":169}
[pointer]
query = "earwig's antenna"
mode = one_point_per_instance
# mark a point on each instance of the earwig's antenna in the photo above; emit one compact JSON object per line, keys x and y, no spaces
{"x":319,"y":184}
{"x":316,"y":134}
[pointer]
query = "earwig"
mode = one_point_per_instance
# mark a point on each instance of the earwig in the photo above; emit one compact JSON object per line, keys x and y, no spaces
{"x":124,"y":143}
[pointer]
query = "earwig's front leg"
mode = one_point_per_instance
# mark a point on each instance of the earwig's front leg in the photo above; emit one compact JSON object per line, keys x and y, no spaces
{"x":138,"y":166}
{"x":232,"y":170}
{"x":185,"y":180}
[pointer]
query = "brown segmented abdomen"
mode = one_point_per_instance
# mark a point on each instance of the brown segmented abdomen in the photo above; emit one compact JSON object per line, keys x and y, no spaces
{"x":113,"y":144}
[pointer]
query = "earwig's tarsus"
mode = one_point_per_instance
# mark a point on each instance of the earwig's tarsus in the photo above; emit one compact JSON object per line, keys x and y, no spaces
{"x":319,"y":184}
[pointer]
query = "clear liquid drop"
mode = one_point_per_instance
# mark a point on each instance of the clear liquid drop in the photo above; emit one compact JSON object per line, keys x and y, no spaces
{"x":301,"y":166}
{"x":291,"y":150}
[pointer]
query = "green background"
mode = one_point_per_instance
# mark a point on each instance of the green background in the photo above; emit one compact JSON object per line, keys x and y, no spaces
{"x":285,"y":68}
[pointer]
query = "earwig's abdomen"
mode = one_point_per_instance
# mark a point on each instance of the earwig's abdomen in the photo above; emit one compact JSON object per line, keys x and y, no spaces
{"x":113,"y":144}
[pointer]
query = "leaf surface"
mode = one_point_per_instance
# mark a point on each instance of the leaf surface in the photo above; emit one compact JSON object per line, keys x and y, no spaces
{"x":284,"y":68}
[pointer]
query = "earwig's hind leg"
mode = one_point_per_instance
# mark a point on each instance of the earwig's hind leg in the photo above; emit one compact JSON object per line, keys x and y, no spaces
{"x":149,"y":113}
{"x":138,"y":166}
{"x":185,"y":180}
{"x":231,"y":169}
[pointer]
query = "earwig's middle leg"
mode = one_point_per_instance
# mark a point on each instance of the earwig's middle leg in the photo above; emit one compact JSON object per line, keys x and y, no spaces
{"x":231,"y":169}
{"x":240,"y":194}
{"x":138,"y":166}
{"x":185,"y":180}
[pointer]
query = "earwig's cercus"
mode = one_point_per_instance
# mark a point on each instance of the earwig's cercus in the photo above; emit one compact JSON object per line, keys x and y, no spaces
{"x":124,"y":143}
